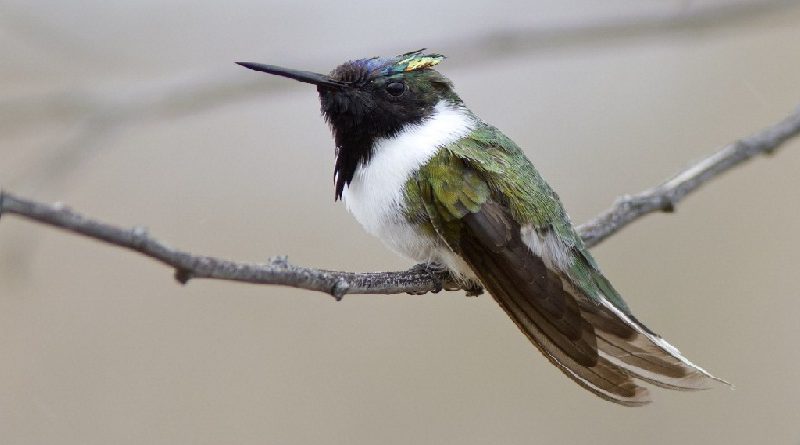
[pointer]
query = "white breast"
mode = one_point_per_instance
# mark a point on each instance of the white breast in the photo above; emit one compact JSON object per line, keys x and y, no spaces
{"x":375,"y":195}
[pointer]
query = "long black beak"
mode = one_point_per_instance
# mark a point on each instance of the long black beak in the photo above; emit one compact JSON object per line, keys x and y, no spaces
{"x":302,"y":76}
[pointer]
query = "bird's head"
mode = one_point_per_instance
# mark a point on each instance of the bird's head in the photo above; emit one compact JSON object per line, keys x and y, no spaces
{"x":367,"y":99}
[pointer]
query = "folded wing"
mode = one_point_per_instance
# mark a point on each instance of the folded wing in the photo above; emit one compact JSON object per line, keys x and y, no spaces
{"x":571,"y":314}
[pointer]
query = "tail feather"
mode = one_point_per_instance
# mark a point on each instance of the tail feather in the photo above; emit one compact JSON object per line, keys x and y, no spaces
{"x":632,"y":346}
{"x":649,"y":357}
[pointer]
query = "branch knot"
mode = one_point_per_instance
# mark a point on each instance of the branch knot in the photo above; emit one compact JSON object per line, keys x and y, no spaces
{"x":280,"y":261}
{"x":139,"y":237}
{"x":183,"y":275}
{"x":340,"y":288}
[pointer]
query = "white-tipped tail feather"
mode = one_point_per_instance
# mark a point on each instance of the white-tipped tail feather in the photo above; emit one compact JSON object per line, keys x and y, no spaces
{"x":651,"y":358}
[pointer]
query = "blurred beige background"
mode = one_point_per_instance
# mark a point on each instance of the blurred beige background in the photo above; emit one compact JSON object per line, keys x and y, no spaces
{"x":133,"y":112}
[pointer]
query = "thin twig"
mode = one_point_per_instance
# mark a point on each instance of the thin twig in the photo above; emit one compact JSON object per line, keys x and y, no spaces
{"x":415,"y":280}
{"x":156,"y":101}
{"x":665,"y":196}
{"x":689,"y":21}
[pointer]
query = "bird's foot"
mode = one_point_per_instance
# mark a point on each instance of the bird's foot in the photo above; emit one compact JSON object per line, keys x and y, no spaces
{"x":436,"y":272}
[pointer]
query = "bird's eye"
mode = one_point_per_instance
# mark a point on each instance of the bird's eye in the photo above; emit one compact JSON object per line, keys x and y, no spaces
{"x":396,"y":88}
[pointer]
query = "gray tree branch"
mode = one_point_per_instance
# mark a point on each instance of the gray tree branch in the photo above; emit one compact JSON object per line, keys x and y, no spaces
{"x":278,"y":271}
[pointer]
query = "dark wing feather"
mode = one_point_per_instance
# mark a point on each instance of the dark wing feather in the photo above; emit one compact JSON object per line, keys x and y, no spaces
{"x":535,"y":298}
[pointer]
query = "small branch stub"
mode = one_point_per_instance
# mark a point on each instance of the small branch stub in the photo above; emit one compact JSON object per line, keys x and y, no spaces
{"x":182,"y":276}
{"x":340,"y":289}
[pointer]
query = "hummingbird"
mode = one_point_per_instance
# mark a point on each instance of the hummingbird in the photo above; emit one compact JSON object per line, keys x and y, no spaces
{"x":435,"y":183}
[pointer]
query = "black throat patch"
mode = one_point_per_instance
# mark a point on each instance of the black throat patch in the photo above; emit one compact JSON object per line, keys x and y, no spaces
{"x":358,"y":120}
{"x":380,"y":98}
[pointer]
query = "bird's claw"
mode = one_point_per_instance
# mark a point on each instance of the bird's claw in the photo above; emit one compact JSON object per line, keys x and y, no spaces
{"x":473,"y":289}
{"x":434,"y":271}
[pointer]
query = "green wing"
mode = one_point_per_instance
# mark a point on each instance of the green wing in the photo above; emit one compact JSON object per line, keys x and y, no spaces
{"x":477,"y":194}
